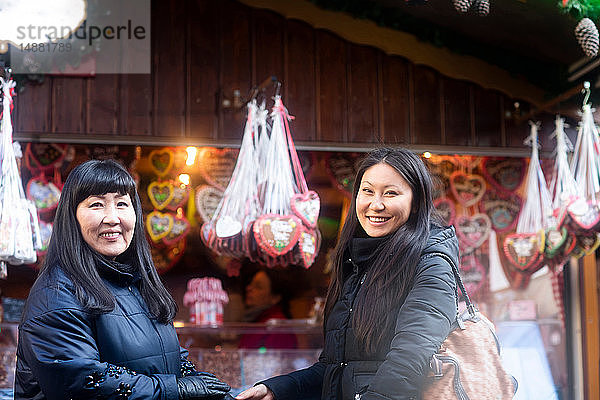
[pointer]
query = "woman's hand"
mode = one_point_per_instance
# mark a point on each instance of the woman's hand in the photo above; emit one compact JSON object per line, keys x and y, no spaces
{"x":258,"y":392}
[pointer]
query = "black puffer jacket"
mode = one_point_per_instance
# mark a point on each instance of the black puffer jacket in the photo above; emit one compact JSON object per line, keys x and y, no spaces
{"x":396,"y":370}
{"x":64,"y":352}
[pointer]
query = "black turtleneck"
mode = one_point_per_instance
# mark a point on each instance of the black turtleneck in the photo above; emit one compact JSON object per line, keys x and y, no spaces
{"x":364,"y":249}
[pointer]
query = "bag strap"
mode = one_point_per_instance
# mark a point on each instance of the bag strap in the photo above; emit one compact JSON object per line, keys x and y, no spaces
{"x":470,"y":307}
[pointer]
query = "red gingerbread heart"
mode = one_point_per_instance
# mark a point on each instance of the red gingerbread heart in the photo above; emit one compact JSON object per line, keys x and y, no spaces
{"x":306,"y":206}
{"x":473,"y":274}
{"x":523,"y":250}
{"x":179,"y":231}
{"x":446,"y":209}
{"x":308,"y":245}
{"x":216,"y":165}
{"x":472,"y":231}
{"x":44,"y":194}
{"x":468,"y":189}
{"x":181,"y":193}
{"x":277,"y":234}
{"x":503,"y":211}
{"x":505,"y":174}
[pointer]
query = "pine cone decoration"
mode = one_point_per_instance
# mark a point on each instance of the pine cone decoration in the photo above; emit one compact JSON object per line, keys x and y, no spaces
{"x":587,"y":36}
{"x":462,"y":5}
{"x":481,"y":7}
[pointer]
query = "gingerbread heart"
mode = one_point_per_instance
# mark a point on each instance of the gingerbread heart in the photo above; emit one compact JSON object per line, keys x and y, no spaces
{"x":180,"y":229}
{"x":446,"y":209}
{"x":555,"y":239}
{"x":467,"y":189}
{"x":166,"y":257}
{"x":342,"y":167}
{"x":505,"y":174}
{"x":523,"y":250}
{"x":181,"y":193}
{"x":472,"y":231}
{"x":473,"y":274}
{"x":161,"y":161}
{"x":44,"y":194}
{"x":207,"y":201}
{"x":277,"y":234}
{"x":226,"y":227}
{"x":44,"y":156}
{"x":308,"y":244}
{"x":160,"y":194}
{"x":217,"y":165}
{"x":588,"y":242}
{"x":440,"y":167}
{"x":503,"y":211}
{"x":158,"y":225}
{"x":306,"y":206}
{"x":584,"y":214}
{"x":207,"y":234}
{"x":45,"y":234}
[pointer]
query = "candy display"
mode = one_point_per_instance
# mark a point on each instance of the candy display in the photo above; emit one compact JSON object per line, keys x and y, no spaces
{"x":205,"y":298}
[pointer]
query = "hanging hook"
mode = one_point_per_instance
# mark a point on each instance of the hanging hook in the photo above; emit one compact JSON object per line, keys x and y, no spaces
{"x":587,"y":91}
{"x":277,"y":88}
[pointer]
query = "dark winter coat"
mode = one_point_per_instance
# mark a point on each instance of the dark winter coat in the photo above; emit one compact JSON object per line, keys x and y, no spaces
{"x":396,"y":370}
{"x":64,"y":352}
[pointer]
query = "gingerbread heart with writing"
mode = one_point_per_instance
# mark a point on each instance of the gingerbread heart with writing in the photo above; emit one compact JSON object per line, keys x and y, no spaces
{"x":161,"y":161}
{"x":160,"y":194}
{"x":44,"y":194}
{"x":277,"y":234}
{"x":181,"y":193}
{"x":505,"y":174}
{"x":503,"y":211}
{"x":440,"y":168}
{"x":306,"y":206}
{"x":446,"y":209}
{"x":207,"y":201}
{"x":158,"y":225}
{"x":467,"y":189}
{"x":308,"y":245}
{"x":523,"y":250}
{"x":584,"y":214}
{"x":473,"y":274}
{"x":181,"y":227}
{"x":216,"y":165}
{"x":555,"y":239}
{"x":473,"y":230}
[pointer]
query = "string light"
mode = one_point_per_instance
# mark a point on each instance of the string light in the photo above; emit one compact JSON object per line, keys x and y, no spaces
{"x":427,"y":154}
{"x":191,"y":155}
{"x":184,"y":178}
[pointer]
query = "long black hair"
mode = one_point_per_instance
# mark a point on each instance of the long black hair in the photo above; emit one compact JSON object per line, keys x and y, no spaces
{"x":390,"y":276}
{"x":69,"y":251}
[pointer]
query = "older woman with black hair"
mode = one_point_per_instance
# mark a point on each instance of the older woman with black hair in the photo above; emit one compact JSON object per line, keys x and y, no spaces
{"x":392,"y":296}
{"x":98,"y":319}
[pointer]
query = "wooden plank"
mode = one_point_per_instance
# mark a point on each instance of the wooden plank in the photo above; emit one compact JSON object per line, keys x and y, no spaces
{"x":67,"y":104}
{"x":591,"y":327}
{"x":169,"y":69}
{"x":236,"y":65}
{"x":515,"y":128}
{"x":300,"y":79}
{"x":362,"y":95}
{"x":456,"y":112}
{"x":427,"y":106}
{"x":135,"y":109}
{"x":488,"y":118}
{"x":203,"y":58}
{"x":102,"y":104}
{"x":33,"y":108}
{"x":332,"y":112}
{"x":268,"y":47}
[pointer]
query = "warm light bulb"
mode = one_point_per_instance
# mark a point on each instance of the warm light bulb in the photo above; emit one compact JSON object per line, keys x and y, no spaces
{"x":191,"y":155}
{"x":184,"y":178}
{"x":427,"y":154}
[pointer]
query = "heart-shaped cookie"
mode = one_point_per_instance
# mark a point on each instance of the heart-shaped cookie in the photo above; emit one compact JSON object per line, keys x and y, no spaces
{"x":473,"y":274}
{"x":467,"y":189}
{"x":161,"y":161}
{"x":306,"y":206}
{"x":446,"y":209}
{"x":166,"y":257}
{"x":180,"y":229}
{"x":308,"y":245}
{"x":216,"y":165}
{"x":473,"y":230}
{"x":588,"y":242}
{"x":503,"y":211}
{"x":207,"y":201}
{"x":45,"y":234}
{"x":523,"y":250}
{"x":341,"y":168}
{"x":158,"y":225}
{"x":277,"y":234}
{"x":505,"y":174}
{"x":585,"y":215}
{"x":208,"y":235}
{"x":160,"y":194}
{"x":440,"y":168}
{"x":181,"y":193}
{"x":44,"y":194}
{"x":44,"y":156}
{"x":555,"y":239}
{"x":227,"y":227}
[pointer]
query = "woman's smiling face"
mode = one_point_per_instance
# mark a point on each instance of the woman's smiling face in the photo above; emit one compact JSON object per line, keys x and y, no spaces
{"x":384,"y":200}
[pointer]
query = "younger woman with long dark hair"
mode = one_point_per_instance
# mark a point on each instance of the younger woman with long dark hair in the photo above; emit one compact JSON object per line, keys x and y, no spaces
{"x":392,"y":297}
{"x":98,"y":320}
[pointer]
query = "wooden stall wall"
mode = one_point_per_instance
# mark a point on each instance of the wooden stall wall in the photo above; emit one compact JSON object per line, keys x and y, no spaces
{"x":207,"y":56}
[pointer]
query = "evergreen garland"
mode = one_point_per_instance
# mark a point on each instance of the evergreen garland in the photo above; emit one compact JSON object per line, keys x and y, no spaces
{"x":579,"y":9}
